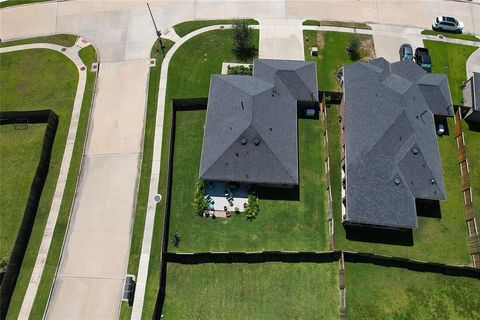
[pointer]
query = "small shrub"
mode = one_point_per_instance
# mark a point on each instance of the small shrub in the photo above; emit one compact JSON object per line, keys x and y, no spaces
{"x":240,"y":70}
{"x":200,"y":204}
{"x":3,"y":264}
{"x":252,"y":208}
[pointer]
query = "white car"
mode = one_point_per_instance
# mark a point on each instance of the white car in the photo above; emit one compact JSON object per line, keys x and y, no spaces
{"x":444,"y":23}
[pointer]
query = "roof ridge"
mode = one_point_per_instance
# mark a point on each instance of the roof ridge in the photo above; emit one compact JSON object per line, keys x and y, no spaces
{"x":223,"y":77}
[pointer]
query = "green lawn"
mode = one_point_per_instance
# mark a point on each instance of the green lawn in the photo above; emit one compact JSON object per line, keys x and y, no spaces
{"x":469,"y":37}
{"x":19,"y":155}
{"x":375,"y":292}
{"x":450,"y":59}
{"x":331,"y":54}
{"x":342,"y":24}
{"x":10,"y":3}
{"x":439,"y":240}
{"x":281,"y":224}
{"x":204,"y":55}
{"x":66,"y":40}
{"x":472,"y":141}
{"x":184,"y":28}
{"x":252,"y":291}
{"x":40,"y":79}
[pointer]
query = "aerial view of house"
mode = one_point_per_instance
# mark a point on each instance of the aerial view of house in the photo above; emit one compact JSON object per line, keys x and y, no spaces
{"x":251,"y":124}
{"x":390,"y":155}
{"x":254,"y":159}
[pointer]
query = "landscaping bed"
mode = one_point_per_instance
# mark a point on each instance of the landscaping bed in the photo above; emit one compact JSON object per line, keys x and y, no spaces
{"x":375,"y":292}
{"x":252,"y":291}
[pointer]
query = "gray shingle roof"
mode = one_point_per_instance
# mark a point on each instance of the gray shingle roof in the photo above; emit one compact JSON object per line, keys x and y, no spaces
{"x":391,"y":146}
{"x":251,"y":124}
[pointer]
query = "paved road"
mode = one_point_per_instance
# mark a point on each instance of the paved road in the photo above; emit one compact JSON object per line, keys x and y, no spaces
{"x":94,"y":261}
{"x":93,"y":264}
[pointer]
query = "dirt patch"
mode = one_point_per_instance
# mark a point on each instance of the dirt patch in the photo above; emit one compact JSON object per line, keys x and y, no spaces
{"x":320,"y":41}
{"x":367,"y":48}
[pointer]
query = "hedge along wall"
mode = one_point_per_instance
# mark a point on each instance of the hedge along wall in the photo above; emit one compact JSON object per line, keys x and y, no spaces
{"x":23,"y":236}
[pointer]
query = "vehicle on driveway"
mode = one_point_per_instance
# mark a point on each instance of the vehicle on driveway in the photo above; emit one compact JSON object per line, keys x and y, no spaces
{"x":422,"y":58}
{"x":405,"y":52}
{"x":444,"y":23}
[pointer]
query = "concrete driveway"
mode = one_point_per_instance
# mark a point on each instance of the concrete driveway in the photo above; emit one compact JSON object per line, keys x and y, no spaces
{"x":281,"y":39}
{"x":388,"y":40}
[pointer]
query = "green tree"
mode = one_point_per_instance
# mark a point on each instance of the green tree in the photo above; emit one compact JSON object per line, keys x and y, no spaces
{"x":252,"y":208}
{"x":200,"y":204}
{"x":242,"y":37}
{"x":354,"y":48}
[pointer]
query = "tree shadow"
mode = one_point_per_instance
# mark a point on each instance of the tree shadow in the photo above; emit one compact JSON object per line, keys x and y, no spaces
{"x":378,"y":235}
{"x":428,"y":208}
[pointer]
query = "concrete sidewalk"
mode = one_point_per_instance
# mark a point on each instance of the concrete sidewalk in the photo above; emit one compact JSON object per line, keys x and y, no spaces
{"x":90,"y":278}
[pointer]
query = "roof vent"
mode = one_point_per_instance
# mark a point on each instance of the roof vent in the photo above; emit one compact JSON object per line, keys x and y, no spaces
{"x":432,"y":181}
{"x":243,"y":141}
{"x":397,"y":181}
{"x":415,"y":151}
{"x":241,"y":102}
{"x":256,"y":142}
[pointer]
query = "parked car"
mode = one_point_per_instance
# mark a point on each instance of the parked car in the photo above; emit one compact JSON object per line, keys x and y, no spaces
{"x":422,"y":58}
{"x":444,"y":23}
{"x":406,"y":52}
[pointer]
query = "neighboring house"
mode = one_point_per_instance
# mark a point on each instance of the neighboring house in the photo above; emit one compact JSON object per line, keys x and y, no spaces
{"x":251,"y":124}
{"x":471,"y":98}
{"x":389,"y":150}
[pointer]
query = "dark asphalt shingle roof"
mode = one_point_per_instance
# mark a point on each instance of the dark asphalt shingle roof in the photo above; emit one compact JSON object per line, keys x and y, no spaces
{"x":251,"y":124}
{"x":391,"y":146}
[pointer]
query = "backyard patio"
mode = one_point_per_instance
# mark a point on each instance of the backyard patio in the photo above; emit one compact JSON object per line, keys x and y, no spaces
{"x":225,"y":198}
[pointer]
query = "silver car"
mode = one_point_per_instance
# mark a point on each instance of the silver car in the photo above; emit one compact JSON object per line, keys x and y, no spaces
{"x":444,"y":23}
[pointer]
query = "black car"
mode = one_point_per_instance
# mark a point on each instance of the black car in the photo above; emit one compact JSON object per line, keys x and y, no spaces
{"x":422,"y":58}
{"x":406,"y":52}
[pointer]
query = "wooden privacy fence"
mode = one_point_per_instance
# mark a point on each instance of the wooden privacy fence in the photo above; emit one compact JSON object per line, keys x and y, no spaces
{"x":323,"y":112}
{"x":472,"y":230}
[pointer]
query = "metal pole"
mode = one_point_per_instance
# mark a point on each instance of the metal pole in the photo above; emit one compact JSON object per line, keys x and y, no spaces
{"x":157,"y":32}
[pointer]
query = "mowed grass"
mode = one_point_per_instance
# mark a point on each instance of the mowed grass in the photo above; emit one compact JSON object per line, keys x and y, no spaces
{"x":184,"y":28}
{"x":66,"y":40}
{"x":468,"y":37}
{"x":188,"y":76}
{"x":19,"y":156}
{"x":252,"y":291}
{"x":439,"y":240}
{"x":472,"y":141}
{"x":450,"y":59}
{"x":331,"y":54}
{"x":32,"y":80}
{"x":281,"y":224}
{"x":375,"y":292}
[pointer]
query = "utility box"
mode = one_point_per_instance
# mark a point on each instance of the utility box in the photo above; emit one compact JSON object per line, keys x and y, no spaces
{"x":314,"y":51}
